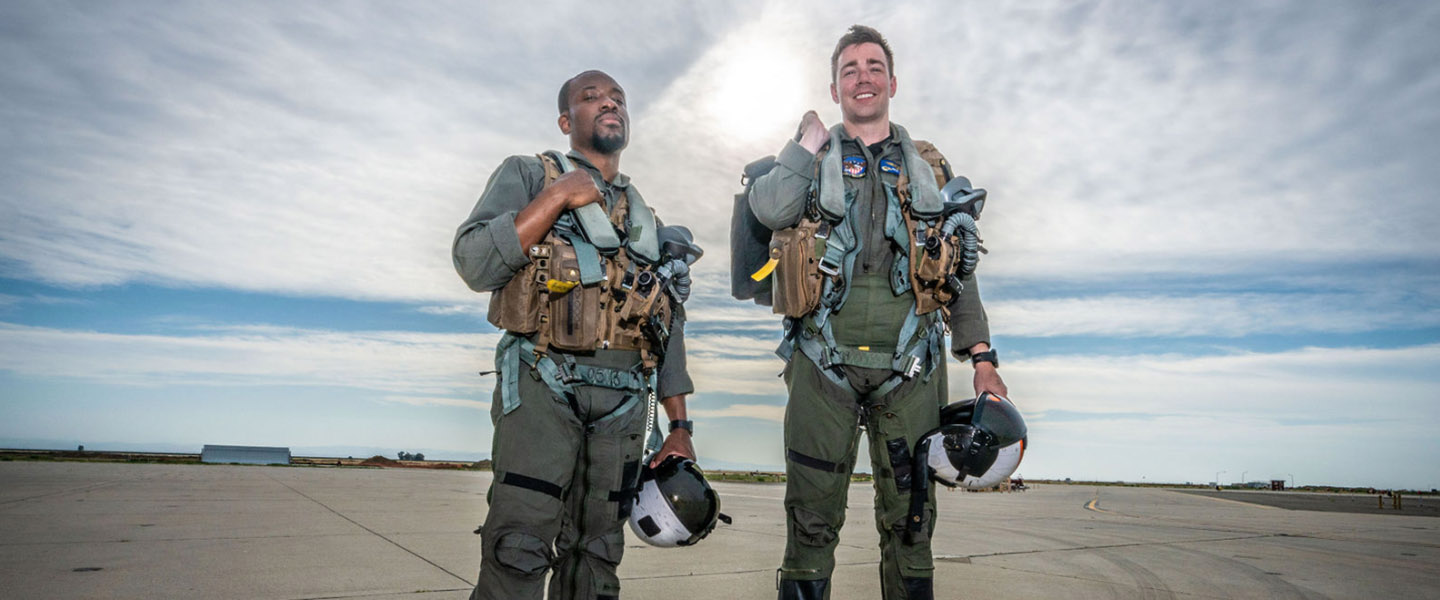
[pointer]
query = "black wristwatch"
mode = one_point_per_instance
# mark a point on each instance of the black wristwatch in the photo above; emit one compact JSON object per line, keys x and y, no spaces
{"x":683,"y":424}
{"x":990,"y":356}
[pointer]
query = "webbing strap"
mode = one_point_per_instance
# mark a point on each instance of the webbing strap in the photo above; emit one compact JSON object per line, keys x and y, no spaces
{"x":507,"y":362}
{"x":846,"y":355}
{"x":591,"y":271}
{"x":614,"y":379}
{"x":815,"y":463}
{"x":532,"y":484}
{"x":594,"y":224}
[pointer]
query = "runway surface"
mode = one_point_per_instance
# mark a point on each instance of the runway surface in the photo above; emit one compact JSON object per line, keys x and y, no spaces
{"x":97,"y":530}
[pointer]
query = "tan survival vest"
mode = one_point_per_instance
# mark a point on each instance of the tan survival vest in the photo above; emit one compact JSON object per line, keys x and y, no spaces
{"x":624,"y":310}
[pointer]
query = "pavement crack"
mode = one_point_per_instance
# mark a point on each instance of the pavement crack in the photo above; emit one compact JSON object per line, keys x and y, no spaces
{"x":372,"y":531}
{"x":82,"y":488}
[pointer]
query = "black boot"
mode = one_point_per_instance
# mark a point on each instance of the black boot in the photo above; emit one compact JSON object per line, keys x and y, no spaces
{"x":919,"y":588}
{"x":814,"y":589}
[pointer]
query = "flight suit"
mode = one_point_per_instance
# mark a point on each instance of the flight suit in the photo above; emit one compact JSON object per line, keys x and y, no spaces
{"x":566,"y":466}
{"x":823,"y":419}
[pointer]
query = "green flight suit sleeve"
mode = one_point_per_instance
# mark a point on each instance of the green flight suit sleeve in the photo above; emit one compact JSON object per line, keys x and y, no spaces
{"x":968,"y":324}
{"x":674,"y":378}
{"x":778,"y":198}
{"x":487,"y":250}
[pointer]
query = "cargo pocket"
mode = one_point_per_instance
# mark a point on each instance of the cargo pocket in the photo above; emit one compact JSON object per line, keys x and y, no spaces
{"x":516,"y":307}
{"x":574,"y":311}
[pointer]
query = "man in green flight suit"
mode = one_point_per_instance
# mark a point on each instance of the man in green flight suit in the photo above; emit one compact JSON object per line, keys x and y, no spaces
{"x":869,"y":353}
{"x":570,"y":402}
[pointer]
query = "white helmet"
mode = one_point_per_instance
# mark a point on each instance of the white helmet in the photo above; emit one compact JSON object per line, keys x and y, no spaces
{"x":675,"y":505}
{"x":979,"y":443}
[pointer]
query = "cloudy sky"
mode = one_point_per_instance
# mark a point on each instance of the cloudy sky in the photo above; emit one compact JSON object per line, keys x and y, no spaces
{"x":1212,"y":227}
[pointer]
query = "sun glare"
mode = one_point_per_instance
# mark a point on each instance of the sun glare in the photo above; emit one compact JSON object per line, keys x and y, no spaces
{"x":757,"y":91}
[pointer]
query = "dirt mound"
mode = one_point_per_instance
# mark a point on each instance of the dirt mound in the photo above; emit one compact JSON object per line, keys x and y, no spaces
{"x":379,"y":461}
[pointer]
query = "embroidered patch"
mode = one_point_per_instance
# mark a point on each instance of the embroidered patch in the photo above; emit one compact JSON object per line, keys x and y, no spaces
{"x":889,"y":166}
{"x":854,"y":166}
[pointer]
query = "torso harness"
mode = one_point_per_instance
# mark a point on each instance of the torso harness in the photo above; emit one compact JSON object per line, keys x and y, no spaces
{"x":938,"y":246}
{"x":585,"y":290}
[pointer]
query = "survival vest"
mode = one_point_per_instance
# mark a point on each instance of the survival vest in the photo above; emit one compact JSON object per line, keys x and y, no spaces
{"x":930,"y":220}
{"x":584,"y":289}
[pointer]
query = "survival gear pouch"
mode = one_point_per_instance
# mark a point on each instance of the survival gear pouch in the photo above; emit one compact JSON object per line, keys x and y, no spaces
{"x":547,"y":296}
{"x":796,"y":282}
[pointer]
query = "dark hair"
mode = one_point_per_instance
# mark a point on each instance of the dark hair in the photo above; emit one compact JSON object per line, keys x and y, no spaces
{"x":861,"y":34}
{"x":564,"y":101}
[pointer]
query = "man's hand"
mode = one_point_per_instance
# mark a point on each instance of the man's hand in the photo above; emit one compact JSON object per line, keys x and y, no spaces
{"x":676,"y":444}
{"x":812,"y":134}
{"x":987,"y":379}
{"x":577,"y":188}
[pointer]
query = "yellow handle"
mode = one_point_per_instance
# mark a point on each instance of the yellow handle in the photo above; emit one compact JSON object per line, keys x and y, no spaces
{"x":559,"y":287}
{"x":765,"y":270}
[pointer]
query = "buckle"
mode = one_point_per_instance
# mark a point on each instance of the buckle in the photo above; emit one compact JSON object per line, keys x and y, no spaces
{"x":828,"y":268}
{"x":914,"y":368}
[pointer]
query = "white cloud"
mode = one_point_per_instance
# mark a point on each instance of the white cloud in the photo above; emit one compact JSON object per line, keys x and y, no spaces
{"x":405,"y":363}
{"x":332,"y":151}
{"x":438,"y":401}
{"x":764,"y":412}
{"x":1223,"y":315}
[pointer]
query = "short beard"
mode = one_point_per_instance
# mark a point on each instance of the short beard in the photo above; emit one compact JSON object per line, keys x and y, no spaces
{"x":609,"y":144}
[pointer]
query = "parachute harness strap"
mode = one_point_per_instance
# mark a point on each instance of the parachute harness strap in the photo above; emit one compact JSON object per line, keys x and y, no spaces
{"x":918,"y":345}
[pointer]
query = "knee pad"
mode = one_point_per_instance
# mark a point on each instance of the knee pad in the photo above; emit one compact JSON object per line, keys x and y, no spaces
{"x":810,"y":528}
{"x":523,"y":553}
{"x":607,"y":548}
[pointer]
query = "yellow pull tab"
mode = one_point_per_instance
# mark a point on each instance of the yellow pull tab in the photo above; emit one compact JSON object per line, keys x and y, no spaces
{"x":765,"y":270}
{"x":559,"y":287}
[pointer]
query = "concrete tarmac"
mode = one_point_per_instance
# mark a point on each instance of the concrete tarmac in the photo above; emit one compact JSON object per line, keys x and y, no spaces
{"x":98,"y":530}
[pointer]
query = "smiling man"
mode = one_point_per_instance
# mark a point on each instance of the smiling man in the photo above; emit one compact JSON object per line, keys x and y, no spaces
{"x":867,"y":306}
{"x":566,"y":246}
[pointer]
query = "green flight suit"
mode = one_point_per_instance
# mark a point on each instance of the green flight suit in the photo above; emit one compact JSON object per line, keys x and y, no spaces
{"x":565,"y":472}
{"x":823,"y":419}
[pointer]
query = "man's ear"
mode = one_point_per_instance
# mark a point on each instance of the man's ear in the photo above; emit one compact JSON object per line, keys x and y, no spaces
{"x":564,"y":123}
{"x":893,"y":86}
{"x":834,"y":94}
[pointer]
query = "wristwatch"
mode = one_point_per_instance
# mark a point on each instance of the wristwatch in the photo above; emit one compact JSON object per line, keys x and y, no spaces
{"x":990,"y":356}
{"x":687,"y":425}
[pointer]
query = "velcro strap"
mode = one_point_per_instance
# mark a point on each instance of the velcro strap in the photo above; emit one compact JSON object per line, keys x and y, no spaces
{"x":815,"y":463}
{"x":532,"y":484}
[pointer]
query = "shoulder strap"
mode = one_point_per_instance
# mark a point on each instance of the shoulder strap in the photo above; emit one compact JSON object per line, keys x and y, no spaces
{"x":642,"y":233}
{"x":593,"y":222}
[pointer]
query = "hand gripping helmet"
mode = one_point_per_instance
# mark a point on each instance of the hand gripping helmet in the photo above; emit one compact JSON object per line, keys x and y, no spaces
{"x":979,"y":443}
{"x":675,"y":505}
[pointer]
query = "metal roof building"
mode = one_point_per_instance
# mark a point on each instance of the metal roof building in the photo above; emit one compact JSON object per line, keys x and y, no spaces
{"x":245,"y":455}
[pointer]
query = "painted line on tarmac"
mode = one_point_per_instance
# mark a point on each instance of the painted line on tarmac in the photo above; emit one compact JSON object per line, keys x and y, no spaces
{"x":1250,"y":504}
